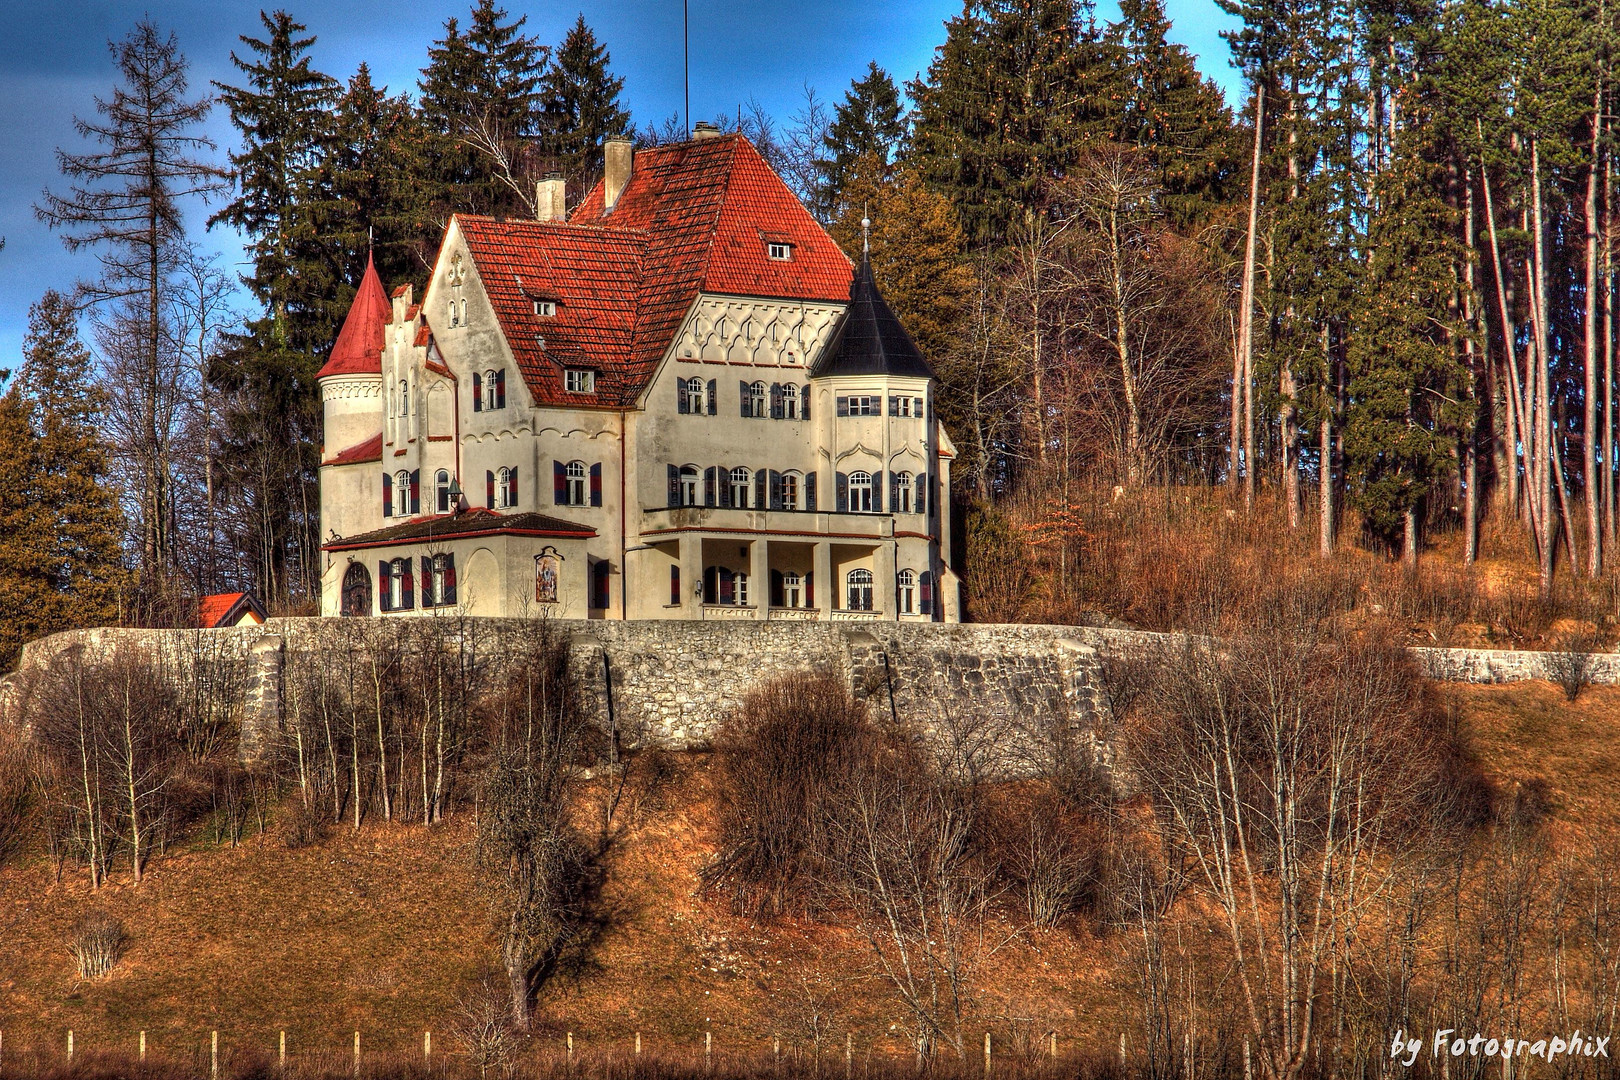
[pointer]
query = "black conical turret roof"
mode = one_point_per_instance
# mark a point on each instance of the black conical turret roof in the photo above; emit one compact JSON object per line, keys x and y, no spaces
{"x":871,"y":340}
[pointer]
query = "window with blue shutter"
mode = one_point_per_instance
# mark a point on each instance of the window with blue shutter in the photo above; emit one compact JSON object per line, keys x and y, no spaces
{"x":388,"y":495}
{"x":680,"y":396}
{"x":559,"y":483}
{"x":894,"y":493}
{"x":596,"y":485}
{"x":478,"y":392}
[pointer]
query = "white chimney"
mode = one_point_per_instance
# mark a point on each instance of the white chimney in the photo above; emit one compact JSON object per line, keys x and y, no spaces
{"x":550,"y":203}
{"x":618,"y":154}
{"x":703,"y":131}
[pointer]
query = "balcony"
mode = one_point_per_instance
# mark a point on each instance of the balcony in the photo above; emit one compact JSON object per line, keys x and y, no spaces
{"x":801,"y":522}
{"x":730,"y":612}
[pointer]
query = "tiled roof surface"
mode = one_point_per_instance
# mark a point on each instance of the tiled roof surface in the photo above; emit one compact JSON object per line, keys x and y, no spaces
{"x":476,"y":522}
{"x":871,"y":340}
{"x":694,"y":217}
{"x":370,"y":450}
{"x":216,"y":609}
{"x":359,"y":345}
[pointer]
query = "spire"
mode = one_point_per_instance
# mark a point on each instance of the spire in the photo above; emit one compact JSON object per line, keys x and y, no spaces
{"x":359,"y":345}
{"x":871,"y":340}
{"x":866,"y":232}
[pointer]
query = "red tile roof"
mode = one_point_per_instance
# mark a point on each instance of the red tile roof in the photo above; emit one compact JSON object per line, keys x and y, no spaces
{"x":370,"y":450}
{"x":469,"y":523}
{"x":359,"y":345}
{"x":694,"y":218}
{"x":216,"y":610}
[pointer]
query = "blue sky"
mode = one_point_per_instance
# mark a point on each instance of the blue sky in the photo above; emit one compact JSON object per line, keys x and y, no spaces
{"x":58,"y":63}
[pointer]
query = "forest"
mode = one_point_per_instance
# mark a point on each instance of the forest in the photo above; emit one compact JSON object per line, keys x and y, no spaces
{"x":1360,"y":316}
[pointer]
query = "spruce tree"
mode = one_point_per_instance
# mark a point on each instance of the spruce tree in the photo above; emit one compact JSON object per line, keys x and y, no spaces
{"x":284,"y":114}
{"x":62,"y":564}
{"x":579,"y":102}
{"x":868,"y":124}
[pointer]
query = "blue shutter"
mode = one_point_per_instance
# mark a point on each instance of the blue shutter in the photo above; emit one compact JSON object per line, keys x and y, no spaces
{"x":500,"y":389}
{"x":478,"y":392}
{"x":917,"y":407}
{"x":919,"y":493}
{"x":745,"y":401}
{"x":596,"y":487}
{"x":714,"y":399}
{"x":894,"y":491}
{"x":489,"y":489}
{"x":680,"y":396}
{"x":776,"y":490}
{"x":385,"y":586}
{"x":810,"y":589}
{"x":810,"y":490}
{"x":843,"y":405}
{"x":762,"y":480}
{"x":674,"y":485}
{"x":709,"y":492}
{"x":804,"y":402}
{"x":512,"y":490}
{"x":776,"y":401}
{"x":894,"y":405}
{"x":559,"y":483}
{"x":727,"y":590}
{"x":416,"y":492}
{"x":388,"y":495}
{"x":450,"y":578}
{"x":723,"y":484}
{"x":427,"y":581}
{"x":842,"y":496}
{"x":407,"y":591}
{"x":675,"y":584}
{"x":925,"y":592}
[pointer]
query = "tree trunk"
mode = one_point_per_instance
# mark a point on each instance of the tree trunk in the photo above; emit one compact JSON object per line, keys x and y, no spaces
{"x":1589,"y":439}
{"x":1510,"y":355}
{"x":1607,"y":472}
{"x":1471,"y":443}
{"x":1543,"y":419}
{"x":1243,"y":366}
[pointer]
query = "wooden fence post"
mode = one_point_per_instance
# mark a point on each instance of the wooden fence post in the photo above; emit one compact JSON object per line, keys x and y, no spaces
{"x":357,"y":1053}
{"x":776,"y":1053}
{"x":1054,"y":1045}
{"x":570,"y":1051}
{"x":70,"y":1044}
{"x":213,"y":1054}
{"x":1122,"y":1051}
{"x":987,"y":1053}
{"x":281,"y":1053}
{"x":1248,"y":1065}
{"x":849,"y":1053}
{"x":143,"y":1045}
{"x":427,"y":1045}
{"x":638,"y":1044}
{"x":708,"y":1050}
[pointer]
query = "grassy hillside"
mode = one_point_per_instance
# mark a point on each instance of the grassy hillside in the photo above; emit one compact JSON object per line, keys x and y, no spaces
{"x":384,"y":930}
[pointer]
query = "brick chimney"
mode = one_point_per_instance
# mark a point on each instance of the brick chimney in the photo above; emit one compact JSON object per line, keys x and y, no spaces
{"x":618,"y":154}
{"x":551,"y":199}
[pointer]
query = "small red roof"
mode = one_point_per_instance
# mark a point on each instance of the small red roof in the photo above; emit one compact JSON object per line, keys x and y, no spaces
{"x":370,"y":450}
{"x":359,"y":346}
{"x":695,"y":217}
{"x":224,"y":609}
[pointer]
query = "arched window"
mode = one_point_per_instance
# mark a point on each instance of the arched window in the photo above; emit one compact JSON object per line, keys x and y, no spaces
{"x":404,"y":398}
{"x":860,"y":493}
{"x":694,"y":395}
{"x":576,"y":475}
{"x":442,"y":585}
{"x":455,"y":315}
{"x":402,"y":494}
{"x":790,"y":490}
{"x":505,"y":488}
{"x":905,"y":591}
{"x":689,"y":485}
{"x":356,"y":590}
{"x":491,"y":397}
{"x":464,"y":312}
{"x":792,"y":590}
{"x":757,"y":400}
{"x":441,"y":491}
{"x":740,"y":486}
{"x":902,"y":493}
{"x":790,"y":401}
{"x":860,"y":590}
{"x":396,"y":584}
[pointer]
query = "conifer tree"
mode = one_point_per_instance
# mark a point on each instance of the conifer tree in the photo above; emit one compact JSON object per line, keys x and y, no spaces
{"x":284,"y":115}
{"x":62,"y":564}
{"x":480,"y":99}
{"x":579,"y":100}
{"x":1012,"y":97}
{"x":867,"y":124}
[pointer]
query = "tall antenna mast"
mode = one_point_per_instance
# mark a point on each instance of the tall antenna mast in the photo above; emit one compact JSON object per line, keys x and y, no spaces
{"x":686,"y":53}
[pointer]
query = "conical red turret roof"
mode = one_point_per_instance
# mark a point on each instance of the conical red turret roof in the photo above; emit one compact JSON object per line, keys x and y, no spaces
{"x":358,"y":350}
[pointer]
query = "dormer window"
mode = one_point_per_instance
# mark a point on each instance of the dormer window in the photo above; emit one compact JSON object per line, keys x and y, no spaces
{"x":779,"y":251}
{"x":545,"y":308}
{"x":579,"y":381}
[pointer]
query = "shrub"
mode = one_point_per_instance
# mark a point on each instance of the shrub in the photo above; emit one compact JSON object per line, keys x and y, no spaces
{"x":97,"y":943}
{"x":1569,"y":664}
{"x":782,"y":755}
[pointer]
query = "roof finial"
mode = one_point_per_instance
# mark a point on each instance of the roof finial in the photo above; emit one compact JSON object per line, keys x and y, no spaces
{"x":866,"y":231}
{"x":369,"y":240}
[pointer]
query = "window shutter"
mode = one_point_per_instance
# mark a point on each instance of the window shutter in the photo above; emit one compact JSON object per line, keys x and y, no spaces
{"x":919,"y":493}
{"x":674,"y":485}
{"x":596,"y":486}
{"x":843,"y":406}
{"x":810,"y":490}
{"x":894,"y":492}
{"x":776,"y":401}
{"x":925,"y":592}
{"x":559,"y":483}
{"x":388,"y":495}
{"x":894,"y":405}
{"x":416,"y":491}
{"x":804,"y":402}
{"x":427,"y":581}
{"x":933,"y":504}
{"x":385,"y":586}
{"x":722,"y":477}
{"x":511,"y":487}
{"x":407,"y":591}
{"x":675,"y":584}
{"x":727,"y":592}
{"x":489,"y":489}
{"x":762,"y":488}
{"x":776,"y":490}
{"x":810,"y":589}
{"x":478,"y":392}
{"x":500,"y":389}
{"x":708,"y":487}
{"x":450,"y":579}
{"x":842,"y":495}
{"x":680,"y":396}
{"x":743,"y":407}
{"x":714,"y":399}
{"x":777,"y":598}
{"x":917,"y":407}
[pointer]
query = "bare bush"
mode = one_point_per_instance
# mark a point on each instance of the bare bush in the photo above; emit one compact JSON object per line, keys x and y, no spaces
{"x":1046,"y":851}
{"x":97,"y":944}
{"x":16,"y":796}
{"x":483,"y":1026}
{"x":783,"y":755}
{"x":1570,"y":663}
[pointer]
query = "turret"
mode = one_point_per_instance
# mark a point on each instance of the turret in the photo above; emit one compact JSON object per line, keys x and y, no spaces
{"x":351,"y":380}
